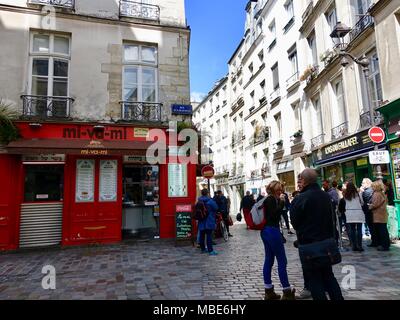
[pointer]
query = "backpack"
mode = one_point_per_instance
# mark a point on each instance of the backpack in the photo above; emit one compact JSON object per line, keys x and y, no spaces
{"x":200,"y":211}
{"x":257,"y":215}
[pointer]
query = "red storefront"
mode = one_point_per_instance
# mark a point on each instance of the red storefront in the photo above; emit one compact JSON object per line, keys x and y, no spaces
{"x":73,"y":184}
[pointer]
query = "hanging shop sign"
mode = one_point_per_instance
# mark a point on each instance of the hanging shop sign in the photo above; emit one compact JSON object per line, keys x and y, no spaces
{"x":177,"y":180}
{"x":379,"y":157}
{"x":84,"y":181}
{"x":108,"y":180}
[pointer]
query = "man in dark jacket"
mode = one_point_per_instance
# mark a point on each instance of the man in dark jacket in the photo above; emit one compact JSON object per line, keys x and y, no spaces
{"x":313,"y":218}
{"x":222,"y":203}
{"x":246,"y":204}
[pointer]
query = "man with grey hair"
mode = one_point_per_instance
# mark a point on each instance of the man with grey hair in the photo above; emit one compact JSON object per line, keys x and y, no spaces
{"x":313,"y":219}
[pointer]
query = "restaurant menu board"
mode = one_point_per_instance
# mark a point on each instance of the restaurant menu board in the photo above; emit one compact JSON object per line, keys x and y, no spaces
{"x":84,"y":181}
{"x":108,"y":180}
{"x":177,"y":180}
{"x":395,"y":148}
{"x":183,"y":222}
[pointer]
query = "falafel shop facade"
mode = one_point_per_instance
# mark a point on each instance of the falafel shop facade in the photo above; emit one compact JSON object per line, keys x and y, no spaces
{"x":74,"y":184}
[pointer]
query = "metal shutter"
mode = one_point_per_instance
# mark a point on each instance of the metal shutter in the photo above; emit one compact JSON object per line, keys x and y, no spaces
{"x":41,"y":224}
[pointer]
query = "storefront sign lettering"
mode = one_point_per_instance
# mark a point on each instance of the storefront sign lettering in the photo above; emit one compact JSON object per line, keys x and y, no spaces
{"x":87,"y":152}
{"x":341,"y":145}
{"x":44,"y":158}
{"x":91,"y":133}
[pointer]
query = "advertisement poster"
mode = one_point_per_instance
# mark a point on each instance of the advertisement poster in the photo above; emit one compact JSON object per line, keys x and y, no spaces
{"x":108,"y":180}
{"x":177,"y":180}
{"x":84,"y":181}
{"x":396,"y":166}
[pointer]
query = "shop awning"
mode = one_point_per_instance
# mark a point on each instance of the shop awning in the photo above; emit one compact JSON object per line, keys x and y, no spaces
{"x":78,"y":147}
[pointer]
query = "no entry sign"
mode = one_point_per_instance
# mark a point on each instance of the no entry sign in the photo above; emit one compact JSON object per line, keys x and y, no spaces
{"x":376,"y":134}
{"x":208,"y":172}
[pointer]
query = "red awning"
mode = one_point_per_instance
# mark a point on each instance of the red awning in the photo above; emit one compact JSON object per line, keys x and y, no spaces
{"x":75,"y":146}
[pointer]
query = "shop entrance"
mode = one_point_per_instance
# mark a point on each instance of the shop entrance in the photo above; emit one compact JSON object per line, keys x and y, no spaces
{"x":42,"y":207}
{"x":140,"y":216}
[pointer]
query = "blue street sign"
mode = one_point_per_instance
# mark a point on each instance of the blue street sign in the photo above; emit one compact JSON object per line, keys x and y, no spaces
{"x":182,"y":109}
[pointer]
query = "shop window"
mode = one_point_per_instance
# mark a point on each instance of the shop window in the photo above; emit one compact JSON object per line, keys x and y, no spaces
{"x":44,"y":183}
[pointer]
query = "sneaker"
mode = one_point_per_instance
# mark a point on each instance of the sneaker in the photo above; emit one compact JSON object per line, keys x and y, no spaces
{"x":304,"y":294}
{"x":213,"y":253}
{"x":229,"y":235}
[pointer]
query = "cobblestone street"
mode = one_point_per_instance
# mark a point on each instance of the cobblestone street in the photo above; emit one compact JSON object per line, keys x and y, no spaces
{"x":159,"y":270}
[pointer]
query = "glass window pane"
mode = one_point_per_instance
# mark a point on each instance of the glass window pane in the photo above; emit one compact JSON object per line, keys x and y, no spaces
{"x":40,"y":43}
{"x":130,"y":94}
{"x":60,"y":87}
{"x":60,"y":68}
{"x":149,"y":54}
{"x":61,"y":45}
{"x":149,"y":94}
{"x":149,"y":76}
{"x":131,"y":53}
{"x":39,"y":86}
{"x":44,"y":183}
{"x":40,"y":67}
{"x":130,"y":77}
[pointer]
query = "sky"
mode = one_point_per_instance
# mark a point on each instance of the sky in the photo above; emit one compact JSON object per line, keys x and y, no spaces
{"x":217,"y":27}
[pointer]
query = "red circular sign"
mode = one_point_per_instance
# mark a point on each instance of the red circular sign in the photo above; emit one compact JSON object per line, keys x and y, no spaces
{"x":376,"y":134}
{"x":207,"y":172}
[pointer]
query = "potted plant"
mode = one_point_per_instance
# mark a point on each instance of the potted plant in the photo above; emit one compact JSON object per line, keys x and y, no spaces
{"x":298,"y":134}
{"x":8,"y":131}
{"x":308,"y":73}
{"x":280,"y":143}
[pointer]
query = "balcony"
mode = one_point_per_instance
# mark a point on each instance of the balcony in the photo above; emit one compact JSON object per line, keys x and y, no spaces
{"x":254,"y":174}
{"x":266,"y":170}
{"x":260,"y":135}
{"x":70,"y":4}
{"x":293,"y":80}
{"x":275,"y":95}
{"x":139,"y":10}
{"x":340,"y":131}
{"x":308,"y":11}
{"x":365,"y":119}
{"x":317,"y":141}
{"x":364,"y":23}
{"x":141,"y":111}
{"x":45,"y":107}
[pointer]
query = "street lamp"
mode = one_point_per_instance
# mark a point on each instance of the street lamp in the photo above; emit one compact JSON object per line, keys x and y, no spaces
{"x":340,"y":31}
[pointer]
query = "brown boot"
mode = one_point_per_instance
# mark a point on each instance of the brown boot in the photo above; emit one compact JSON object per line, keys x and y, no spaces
{"x":289,"y":294}
{"x":271,"y":295}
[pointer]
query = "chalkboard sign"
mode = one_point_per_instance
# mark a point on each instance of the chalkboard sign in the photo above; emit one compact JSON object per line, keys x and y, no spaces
{"x":183,"y":222}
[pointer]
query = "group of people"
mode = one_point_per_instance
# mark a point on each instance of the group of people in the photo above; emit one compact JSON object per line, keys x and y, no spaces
{"x":206,"y":227}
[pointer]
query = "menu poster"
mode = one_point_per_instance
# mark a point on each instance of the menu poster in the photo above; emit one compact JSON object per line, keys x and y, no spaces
{"x":84,"y":181}
{"x":177,"y":181}
{"x":396,"y":166}
{"x":108,"y":180}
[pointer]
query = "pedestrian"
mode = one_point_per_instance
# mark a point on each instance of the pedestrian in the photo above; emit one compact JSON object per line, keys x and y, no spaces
{"x":332,"y":193}
{"x":246,"y":204}
{"x":380,"y":215}
{"x":366,"y":196}
{"x":285,"y":210}
{"x":260,"y":196}
{"x":313,"y":218}
{"x":354,"y":215}
{"x":208,"y":225}
{"x":222,"y":203}
{"x":273,"y":244}
{"x":389,"y":192}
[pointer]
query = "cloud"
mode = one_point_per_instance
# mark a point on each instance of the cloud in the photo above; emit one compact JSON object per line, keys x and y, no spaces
{"x":197,"y":96}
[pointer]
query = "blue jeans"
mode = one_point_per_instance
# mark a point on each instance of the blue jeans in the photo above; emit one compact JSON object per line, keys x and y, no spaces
{"x":274,"y":248}
{"x":203,"y":234}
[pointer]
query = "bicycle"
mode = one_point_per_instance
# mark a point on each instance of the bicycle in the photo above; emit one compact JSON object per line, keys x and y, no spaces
{"x":221,"y":230}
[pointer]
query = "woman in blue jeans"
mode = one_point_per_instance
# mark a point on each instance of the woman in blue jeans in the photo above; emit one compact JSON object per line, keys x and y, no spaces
{"x":273,"y":244}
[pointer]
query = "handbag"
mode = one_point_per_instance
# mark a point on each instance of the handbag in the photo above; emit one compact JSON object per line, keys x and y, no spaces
{"x":230,"y":222}
{"x":239,"y":217}
{"x":320,"y":254}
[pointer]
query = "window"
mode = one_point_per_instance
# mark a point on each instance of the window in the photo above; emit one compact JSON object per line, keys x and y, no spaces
{"x":218,"y":130}
{"x":140,"y":74}
{"x":331,"y":18}
{"x":225,"y":133}
{"x":261,"y":56}
{"x":374,"y":80}
{"x":278,"y":121}
{"x":272,"y":30}
{"x":275,"y":77}
{"x":313,"y":49}
{"x":255,"y":163}
{"x":251,"y":68}
{"x":252,"y":104}
{"x":317,"y":117}
{"x":262,"y":86}
{"x":294,"y":66}
{"x":50,"y":56}
{"x":259,"y":28}
{"x":289,"y":9}
{"x":339,"y":110}
{"x":297,"y":117}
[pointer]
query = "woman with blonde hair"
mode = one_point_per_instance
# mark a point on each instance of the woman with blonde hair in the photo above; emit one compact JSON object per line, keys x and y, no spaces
{"x":380,"y":216}
{"x":273,"y":243}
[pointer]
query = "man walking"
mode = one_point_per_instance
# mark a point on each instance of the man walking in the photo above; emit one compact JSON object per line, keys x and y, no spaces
{"x":312,"y":218}
{"x":222,"y":203}
{"x":246,"y":204}
{"x":207,"y":225}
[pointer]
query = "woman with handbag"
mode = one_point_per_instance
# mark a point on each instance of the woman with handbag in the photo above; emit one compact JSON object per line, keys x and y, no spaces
{"x":380,"y":215}
{"x":273,"y":244}
{"x":354,"y":215}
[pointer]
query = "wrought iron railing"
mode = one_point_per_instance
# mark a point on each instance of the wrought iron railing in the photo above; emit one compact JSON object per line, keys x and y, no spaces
{"x":293,"y":79}
{"x":266,"y":170}
{"x":364,"y":23}
{"x":317,"y":141}
{"x":141,"y":111}
{"x":275,"y":95}
{"x":46,"y":107}
{"x":139,"y":10}
{"x":57,"y":3}
{"x":340,"y":131}
{"x":365,"y":119}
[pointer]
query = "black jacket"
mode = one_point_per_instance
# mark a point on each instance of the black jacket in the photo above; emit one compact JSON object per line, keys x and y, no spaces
{"x":312,"y":215}
{"x":247,"y":202}
{"x":273,"y":211}
{"x":367,"y":197}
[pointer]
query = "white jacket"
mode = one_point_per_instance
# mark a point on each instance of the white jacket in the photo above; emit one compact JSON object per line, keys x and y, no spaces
{"x":354,"y":211}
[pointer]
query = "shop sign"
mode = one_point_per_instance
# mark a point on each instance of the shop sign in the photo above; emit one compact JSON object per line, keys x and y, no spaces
{"x":351,"y":144}
{"x":395,"y":152}
{"x":94,"y":148}
{"x":182,"y":109}
{"x":183,"y":222}
{"x":44,"y":158}
{"x":141,"y":132}
{"x":362,"y":162}
{"x":138,"y":159}
{"x":84,"y":181}
{"x":379,"y":157}
{"x":108,"y":180}
{"x":177,"y":180}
